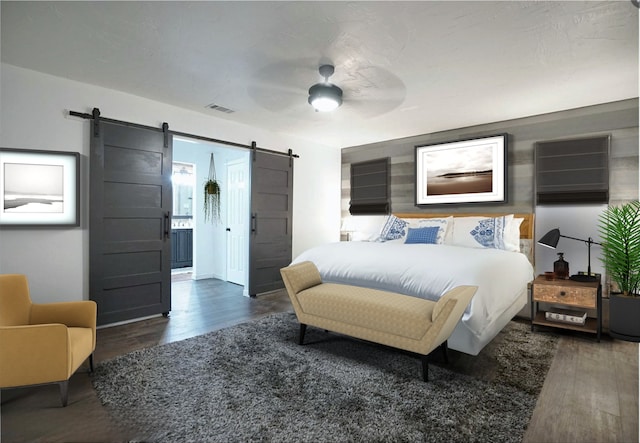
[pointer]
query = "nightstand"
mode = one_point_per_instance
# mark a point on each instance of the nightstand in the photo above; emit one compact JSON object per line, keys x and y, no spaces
{"x":567,"y":294}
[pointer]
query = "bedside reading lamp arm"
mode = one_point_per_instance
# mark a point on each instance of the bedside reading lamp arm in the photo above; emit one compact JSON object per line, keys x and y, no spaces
{"x":589,"y":242}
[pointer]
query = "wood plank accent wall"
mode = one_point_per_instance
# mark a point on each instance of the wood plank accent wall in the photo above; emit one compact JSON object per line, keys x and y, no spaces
{"x":620,"y":119}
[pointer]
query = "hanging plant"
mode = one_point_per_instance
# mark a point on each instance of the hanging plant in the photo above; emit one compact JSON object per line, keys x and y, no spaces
{"x":212,"y":195}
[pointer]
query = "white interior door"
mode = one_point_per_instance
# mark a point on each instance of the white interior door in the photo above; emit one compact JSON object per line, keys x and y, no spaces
{"x":237,"y":221}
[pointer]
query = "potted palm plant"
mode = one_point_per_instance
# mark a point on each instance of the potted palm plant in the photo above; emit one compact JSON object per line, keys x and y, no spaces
{"x":212,"y":195}
{"x":619,"y":228}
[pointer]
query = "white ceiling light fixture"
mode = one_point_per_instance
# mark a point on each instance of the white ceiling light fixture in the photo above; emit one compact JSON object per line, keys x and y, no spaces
{"x":325,"y":97}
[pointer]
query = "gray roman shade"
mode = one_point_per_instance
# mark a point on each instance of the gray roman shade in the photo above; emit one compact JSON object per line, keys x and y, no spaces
{"x":572,"y":171}
{"x":370,"y":187}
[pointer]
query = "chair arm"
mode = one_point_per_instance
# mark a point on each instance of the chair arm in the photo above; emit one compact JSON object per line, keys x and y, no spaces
{"x":80,"y":314}
{"x":34,"y":354}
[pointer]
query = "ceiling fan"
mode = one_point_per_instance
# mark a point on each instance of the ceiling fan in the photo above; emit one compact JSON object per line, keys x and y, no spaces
{"x":362,"y":90}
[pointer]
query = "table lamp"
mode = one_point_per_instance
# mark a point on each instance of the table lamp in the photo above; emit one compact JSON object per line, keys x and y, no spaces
{"x":550,"y":240}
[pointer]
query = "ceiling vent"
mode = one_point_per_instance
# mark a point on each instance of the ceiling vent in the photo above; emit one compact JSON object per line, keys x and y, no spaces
{"x":220,"y":108}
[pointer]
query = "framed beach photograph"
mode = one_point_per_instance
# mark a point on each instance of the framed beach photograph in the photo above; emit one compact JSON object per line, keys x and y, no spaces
{"x":39,"y":188}
{"x":464,"y":171}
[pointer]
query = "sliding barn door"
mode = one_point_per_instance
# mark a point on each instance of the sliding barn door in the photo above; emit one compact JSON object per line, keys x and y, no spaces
{"x":130,"y":222}
{"x":271,"y":218}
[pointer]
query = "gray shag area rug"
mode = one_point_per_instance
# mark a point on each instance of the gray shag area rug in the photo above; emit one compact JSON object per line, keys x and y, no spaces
{"x":253,"y":382}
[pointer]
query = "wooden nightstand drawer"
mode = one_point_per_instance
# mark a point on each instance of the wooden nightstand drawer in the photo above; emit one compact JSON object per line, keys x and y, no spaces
{"x":566,"y":295}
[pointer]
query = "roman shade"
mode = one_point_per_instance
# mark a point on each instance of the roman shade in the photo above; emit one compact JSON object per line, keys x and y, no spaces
{"x":370,"y":182}
{"x":572,"y":171}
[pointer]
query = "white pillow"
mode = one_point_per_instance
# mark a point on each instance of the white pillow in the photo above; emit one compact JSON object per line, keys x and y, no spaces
{"x":364,"y":227}
{"x":484,"y":232}
{"x":441,"y":223}
{"x":512,"y":236}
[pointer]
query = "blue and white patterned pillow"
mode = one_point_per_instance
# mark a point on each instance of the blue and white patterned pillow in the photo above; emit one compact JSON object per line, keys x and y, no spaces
{"x":427,"y":235}
{"x":481,"y":232}
{"x":490,"y":232}
{"x":393,"y":229}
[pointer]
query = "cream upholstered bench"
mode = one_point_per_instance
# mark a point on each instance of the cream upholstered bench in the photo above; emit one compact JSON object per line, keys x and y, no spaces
{"x":409,"y":323}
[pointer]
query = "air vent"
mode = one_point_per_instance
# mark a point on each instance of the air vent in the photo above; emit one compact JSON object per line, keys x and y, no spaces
{"x":220,"y":108}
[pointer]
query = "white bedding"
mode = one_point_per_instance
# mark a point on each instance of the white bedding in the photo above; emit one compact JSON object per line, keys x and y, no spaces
{"x":428,"y":271}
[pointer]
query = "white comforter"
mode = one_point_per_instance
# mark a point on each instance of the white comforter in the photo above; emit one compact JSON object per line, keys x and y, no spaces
{"x":428,"y":271}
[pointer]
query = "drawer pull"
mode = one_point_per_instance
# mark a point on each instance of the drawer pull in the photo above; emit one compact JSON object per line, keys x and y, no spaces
{"x":563,"y":293}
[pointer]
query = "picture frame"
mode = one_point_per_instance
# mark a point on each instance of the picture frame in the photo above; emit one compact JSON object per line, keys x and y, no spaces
{"x":39,"y":188}
{"x":462,"y":171}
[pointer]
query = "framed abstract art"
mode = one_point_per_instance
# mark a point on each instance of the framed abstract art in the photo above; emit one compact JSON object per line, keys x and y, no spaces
{"x":39,"y":188}
{"x":462,"y":171}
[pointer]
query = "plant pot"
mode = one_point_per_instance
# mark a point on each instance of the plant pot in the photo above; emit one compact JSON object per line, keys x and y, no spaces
{"x":624,"y":317}
{"x":212,"y":201}
{"x":212,"y":188}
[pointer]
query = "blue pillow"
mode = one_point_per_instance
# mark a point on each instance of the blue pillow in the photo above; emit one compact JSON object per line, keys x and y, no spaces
{"x":427,"y":235}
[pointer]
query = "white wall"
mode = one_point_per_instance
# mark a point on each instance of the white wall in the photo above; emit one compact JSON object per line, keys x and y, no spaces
{"x":34,"y":115}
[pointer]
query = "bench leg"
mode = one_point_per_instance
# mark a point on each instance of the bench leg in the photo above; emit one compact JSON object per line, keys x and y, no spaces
{"x":445,"y":347}
{"x":303,"y":329}
{"x":425,"y":367}
{"x":425,"y":360}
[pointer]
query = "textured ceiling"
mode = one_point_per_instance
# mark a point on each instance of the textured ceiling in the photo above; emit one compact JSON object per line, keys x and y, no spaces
{"x":406,"y":68}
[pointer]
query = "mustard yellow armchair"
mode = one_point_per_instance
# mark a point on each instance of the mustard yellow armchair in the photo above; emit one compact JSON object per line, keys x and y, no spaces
{"x":42,"y":343}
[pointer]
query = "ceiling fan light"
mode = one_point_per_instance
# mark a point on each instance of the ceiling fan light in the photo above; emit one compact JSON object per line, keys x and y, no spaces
{"x":324,"y":104}
{"x":325,"y":97}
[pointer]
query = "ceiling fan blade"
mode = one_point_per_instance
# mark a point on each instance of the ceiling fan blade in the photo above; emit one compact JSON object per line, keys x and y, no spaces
{"x":281,"y":86}
{"x":372,"y":91}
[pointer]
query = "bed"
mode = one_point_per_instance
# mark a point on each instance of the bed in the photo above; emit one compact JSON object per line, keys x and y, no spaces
{"x":446,"y":255}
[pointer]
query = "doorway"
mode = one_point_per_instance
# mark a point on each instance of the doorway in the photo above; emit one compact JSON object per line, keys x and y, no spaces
{"x":219,"y":245}
{"x":183,"y":181}
{"x":131,"y":192}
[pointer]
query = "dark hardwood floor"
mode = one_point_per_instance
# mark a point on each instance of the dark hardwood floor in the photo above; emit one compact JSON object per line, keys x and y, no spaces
{"x":198,"y":307}
{"x":590,"y":393}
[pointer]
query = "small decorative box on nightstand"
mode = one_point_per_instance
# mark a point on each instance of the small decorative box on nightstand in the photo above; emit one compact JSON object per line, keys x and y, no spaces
{"x":566,"y":295}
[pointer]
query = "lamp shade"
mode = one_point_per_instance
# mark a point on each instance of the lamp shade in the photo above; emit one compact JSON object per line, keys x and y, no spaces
{"x":325,"y":97}
{"x":550,"y":239}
